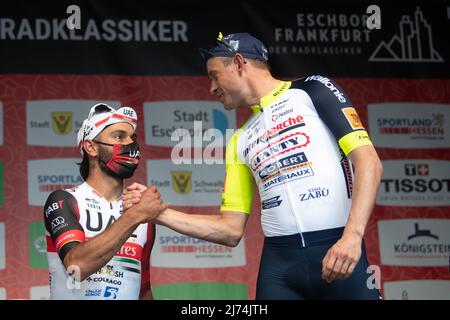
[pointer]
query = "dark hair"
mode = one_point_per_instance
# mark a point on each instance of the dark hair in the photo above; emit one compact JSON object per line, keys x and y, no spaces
{"x":84,"y":166}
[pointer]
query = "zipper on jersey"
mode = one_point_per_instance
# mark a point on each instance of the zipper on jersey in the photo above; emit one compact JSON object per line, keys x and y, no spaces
{"x":285,"y":184}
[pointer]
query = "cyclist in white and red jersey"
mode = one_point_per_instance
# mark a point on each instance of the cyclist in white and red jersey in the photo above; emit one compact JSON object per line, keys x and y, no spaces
{"x":94,"y":249}
{"x":298,"y":147}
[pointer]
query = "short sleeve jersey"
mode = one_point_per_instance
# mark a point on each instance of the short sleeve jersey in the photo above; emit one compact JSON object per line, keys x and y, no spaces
{"x":294,"y":148}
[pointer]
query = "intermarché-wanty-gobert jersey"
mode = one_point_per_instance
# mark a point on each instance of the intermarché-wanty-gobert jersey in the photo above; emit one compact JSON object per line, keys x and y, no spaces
{"x":295,"y":148}
{"x":75,"y":215}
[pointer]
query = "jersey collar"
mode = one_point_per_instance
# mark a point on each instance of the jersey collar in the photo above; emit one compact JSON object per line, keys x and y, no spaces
{"x":271,"y":96}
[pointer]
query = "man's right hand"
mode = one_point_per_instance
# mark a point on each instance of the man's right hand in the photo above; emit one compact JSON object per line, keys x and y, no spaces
{"x":132,"y":195}
{"x":149,"y":206}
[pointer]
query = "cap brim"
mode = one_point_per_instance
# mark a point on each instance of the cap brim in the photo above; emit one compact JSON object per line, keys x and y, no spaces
{"x":215,"y":52}
{"x":206,"y":54}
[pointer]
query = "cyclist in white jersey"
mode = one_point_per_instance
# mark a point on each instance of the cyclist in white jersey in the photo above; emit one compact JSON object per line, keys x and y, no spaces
{"x":296,"y":147}
{"x":94,"y":249}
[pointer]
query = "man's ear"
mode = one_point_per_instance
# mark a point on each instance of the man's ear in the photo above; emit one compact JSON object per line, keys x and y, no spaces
{"x":90,"y":148}
{"x":240,"y":61}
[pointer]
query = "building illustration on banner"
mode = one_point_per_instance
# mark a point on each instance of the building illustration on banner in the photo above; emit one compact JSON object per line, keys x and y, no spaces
{"x":421,"y":233}
{"x":414,"y":242}
{"x":413,"y":43}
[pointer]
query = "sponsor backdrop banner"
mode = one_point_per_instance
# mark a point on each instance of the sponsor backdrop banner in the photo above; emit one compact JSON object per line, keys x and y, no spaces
{"x":145,"y":56}
{"x":301,"y":37}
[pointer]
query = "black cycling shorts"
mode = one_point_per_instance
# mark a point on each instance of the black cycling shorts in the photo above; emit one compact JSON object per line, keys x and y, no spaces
{"x":289,"y":271}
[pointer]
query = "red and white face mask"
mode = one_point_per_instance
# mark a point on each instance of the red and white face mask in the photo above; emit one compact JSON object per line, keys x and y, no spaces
{"x":124,"y":159}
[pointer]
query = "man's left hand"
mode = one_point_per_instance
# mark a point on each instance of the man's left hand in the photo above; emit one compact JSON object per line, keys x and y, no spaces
{"x":342,"y":258}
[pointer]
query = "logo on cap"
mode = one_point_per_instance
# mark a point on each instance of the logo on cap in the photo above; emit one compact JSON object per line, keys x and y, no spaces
{"x":101,"y":116}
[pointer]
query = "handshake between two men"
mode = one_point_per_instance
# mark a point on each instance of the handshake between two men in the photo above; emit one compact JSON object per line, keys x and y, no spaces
{"x":146,"y":202}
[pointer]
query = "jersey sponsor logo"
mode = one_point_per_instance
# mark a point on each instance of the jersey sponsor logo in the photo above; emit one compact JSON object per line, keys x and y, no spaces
{"x":286,"y":144}
{"x":61,"y":122}
{"x":69,"y":236}
{"x":314,"y":193}
{"x":282,"y":89}
{"x":254,"y":123}
{"x":271,"y":203}
{"x":58,"y":223}
{"x":111,"y":293}
{"x":108,"y":270}
{"x":103,"y":279}
{"x":92,"y":200}
{"x":289,"y":176}
{"x":414,"y":242}
{"x":94,"y":221}
{"x":93,"y":206}
{"x":130,"y":250}
{"x":278,"y":106}
{"x":252,"y":127}
{"x":352,"y":117}
{"x":275,"y":117}
{"x":279,"y":129}
{"x":93,"y":293}
{"x":54,"y":206}
{"x":330,"y":85}
{"x":181,"y":181}
{"x":279,"y":165}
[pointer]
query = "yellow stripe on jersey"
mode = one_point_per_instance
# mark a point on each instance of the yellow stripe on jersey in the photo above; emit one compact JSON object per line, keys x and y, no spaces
{"x":271,"y":96}
{"x":353,"y":140}
{"x":239,"y":183}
